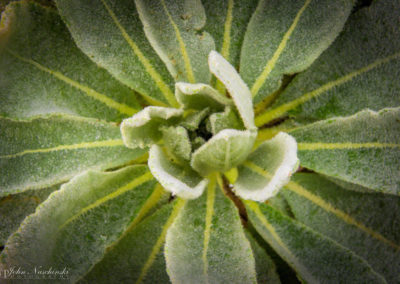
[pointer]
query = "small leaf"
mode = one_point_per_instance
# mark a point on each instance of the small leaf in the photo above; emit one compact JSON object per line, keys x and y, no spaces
{"x":111,"y":34}
{"x":193,"y":120}
{"x":238,"y":90}
{"x":48,"y":150}
{"x":219,"y":251}
{"x":42,"y":71}
{"x":14,"y":209}
{"x":344,"y":80}
{"x":363,"y":223}
{"x":200,"y":96}
{"x":225,"y":120}
{"x":137,"y":256}
{"x":313,"y":256}
{"x":180,"y":43}
{"x":268,"y":168}
{"x":363,"y":149}
{"x":223,"y":151}
{"x":285,"y":37}
{"x":76,"y":224}
{"x":143,"y":129}
{"x":176,"y":140}
{"x":181,"y":180}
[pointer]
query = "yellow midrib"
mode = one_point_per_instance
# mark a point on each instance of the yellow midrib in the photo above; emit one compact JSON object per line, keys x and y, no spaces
{"x":155,"y":250}
{"x":282,"y":45}
{"x":157,"y":78}
{"x":303,"y":146}
{"x":84,"y":145}
{"x":127,"y":187}
{"x":270,"y":115}
{"x":122,"y":108}
{"x":185,"y":56}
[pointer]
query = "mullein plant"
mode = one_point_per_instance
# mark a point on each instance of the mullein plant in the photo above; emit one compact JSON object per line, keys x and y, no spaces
{"x":188,"y":141}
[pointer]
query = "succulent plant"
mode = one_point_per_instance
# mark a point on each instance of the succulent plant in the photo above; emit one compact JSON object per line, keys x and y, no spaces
{"x":188,"y":141}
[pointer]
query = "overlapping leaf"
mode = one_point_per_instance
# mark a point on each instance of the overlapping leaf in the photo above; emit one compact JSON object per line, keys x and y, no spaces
{"x":44,"y":151}
{"x":219,"y":251}
{"x":363,"y":149}
{"x":364,"y":223}
{"x":360,"y":70}
{"x":42,"y":71}
{"x":111,"y":34}
{"x":75,"y":225}
{"x":313,"y":256}
{"x":285,"y":37}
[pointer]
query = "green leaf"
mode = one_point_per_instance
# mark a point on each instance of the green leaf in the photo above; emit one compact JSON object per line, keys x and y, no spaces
{"x":223,"y":151}
{"x":200,"y":96}
{"x":225,"y":120}
{"x":267,"y":169}
{"x":206,"y":242}
{"x":111,"y":34}
{"x":42,"y":71}
{"x":238,"y":90}
{"x":76,"y":224}
{"x":143,"y":129}
{"x":137,"y":257}
{"x":360,"y":70}
{"x":180,"y":43}
{"x":181,"y":180}
{"x":48,"y":150}
{"x":363,"y":149}
{"x":313,"y":256}
{"x":194,"y":118}
{"x":285,"y":37}
{"x":363,"y":223}
{"x":14,"y":209}
{"x":265,"y":267}
{"x":176,"y":140}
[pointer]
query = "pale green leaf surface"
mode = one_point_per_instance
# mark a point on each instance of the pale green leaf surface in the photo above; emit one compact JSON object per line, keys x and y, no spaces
{"x":223,"y":151}
{"x":267,"y":169}
{"x":14,"y":208}
{"x":138,"y":257}
{"x":360,"y":70}
{"x":47,"y":150}
{"x":265,"y":267}
{"x":285,"y":37}
{"x":313,"y":256}
{"x":143,"y":129}
{"x":367,"y":224}
{"x":238,"y":90}
{"x":348,"y":185}
{"x":42,"y":71}
{"x":200,"y":96}
{"x":76,"y":224}
{"x":176,"y":140}
{"x":224,"y":120}
{"x":363,"y":149}
{"x":206,"y":243}
{"x":180,"y":43}
{"x":179,"y":179}
{"x":193,"y":119}
{"x":111,"y":34}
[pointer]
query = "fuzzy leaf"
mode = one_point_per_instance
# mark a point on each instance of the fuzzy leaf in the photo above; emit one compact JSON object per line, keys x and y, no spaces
{"x":267,"y":169}
{"x":363,"y":149}
{"x":111,"y":34}
{"x":176,"y":140}
{"x":200,"y":96}
{"x":313,"y":256}
{"x":137,"y":257}
{"x":364,"y":223}
{"x":219,"y":251}
{"x":344,"y":80}
{"x":44,"y":151}
{"x":181,"y":180}
{"x":238,"y":90}
{"x":285,"y":37}
{"x":224,"y":120}
{"x":42,"y":71}
{"x":181,"y":44}
{"x":143,"y":129}
{"x":14,"y":209}
{"x":76,"y":224}
{"x":192,"y":120}
{"x":223,"y":151}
